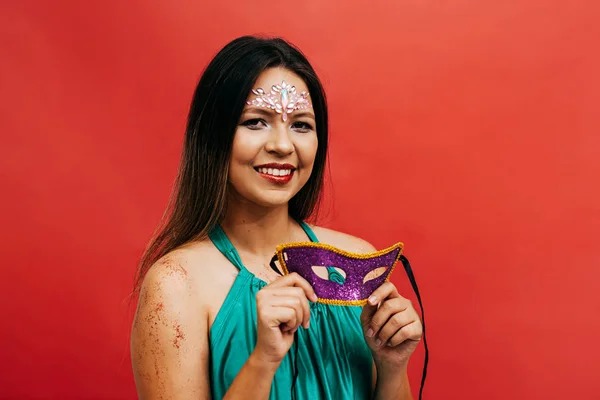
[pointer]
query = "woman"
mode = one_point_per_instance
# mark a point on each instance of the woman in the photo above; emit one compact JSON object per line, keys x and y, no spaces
{"x":213,"y":319}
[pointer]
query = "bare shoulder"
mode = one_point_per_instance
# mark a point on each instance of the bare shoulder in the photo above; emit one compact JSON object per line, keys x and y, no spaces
{"x":169,"y":338}
{"x":342,"y":240}
{"x":182,"y":274}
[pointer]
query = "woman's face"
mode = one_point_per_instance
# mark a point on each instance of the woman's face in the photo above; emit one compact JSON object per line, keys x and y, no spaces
{"x":271,"y":158}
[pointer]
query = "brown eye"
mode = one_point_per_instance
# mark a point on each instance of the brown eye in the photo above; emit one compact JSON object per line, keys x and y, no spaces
{"x":301,"y":126}
{"x":254,"y":123}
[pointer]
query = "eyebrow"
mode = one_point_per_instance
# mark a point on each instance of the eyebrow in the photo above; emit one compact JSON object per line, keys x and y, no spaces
{"x":304,"y":114}
{"x":267,"y":112}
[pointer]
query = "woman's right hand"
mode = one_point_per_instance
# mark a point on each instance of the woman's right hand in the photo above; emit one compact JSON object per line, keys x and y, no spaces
{"x":282,"y":306}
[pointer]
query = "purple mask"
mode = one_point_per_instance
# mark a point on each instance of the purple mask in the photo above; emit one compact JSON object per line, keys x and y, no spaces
{"x":361,"y":273}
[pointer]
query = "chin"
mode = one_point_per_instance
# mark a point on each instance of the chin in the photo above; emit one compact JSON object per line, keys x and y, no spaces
{"x":267,"y":197}
{"x":274,"y":201}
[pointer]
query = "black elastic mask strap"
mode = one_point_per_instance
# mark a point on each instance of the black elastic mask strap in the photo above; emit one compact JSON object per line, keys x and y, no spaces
{"x":273,"y":265}
{"x":295,"y":365}
{"x":413,"y":282}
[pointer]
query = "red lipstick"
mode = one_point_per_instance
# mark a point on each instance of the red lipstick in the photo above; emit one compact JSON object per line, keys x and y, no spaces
{"x":284,"y":172}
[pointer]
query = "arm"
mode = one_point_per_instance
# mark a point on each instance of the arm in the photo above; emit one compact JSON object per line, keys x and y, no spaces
{"x":392,"y":385}
{"x":255,"y":378}
{"x":282,"y":306}
{"x":392,"y":332}
{"x":170,"y":344}
{"x":169,"y":338}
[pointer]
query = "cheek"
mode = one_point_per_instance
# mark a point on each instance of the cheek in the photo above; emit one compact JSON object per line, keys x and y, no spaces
{"x":244,"y":148}
{"x":307,"y":150}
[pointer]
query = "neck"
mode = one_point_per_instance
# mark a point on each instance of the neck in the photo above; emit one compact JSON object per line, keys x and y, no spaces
{"x":258,"y":230}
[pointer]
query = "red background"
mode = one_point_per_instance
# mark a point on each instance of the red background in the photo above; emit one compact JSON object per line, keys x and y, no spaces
{"x":470,"y":130}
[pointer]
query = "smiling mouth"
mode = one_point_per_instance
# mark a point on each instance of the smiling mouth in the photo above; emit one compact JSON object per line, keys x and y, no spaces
{"x":276,"y":173}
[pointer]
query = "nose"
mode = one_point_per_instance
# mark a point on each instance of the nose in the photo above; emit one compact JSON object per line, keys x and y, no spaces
{"x":280,"y":141}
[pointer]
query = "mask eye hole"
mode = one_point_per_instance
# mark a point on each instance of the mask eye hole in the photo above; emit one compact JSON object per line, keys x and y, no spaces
{"x":376,"y":273}
{"x":333,"y":274}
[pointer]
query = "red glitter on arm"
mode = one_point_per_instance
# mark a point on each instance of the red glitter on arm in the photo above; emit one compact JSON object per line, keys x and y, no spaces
{"x":179,"y":335}
{"x":174,"y":267}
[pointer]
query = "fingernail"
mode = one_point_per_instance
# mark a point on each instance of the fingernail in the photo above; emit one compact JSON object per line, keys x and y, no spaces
{"x":372,"y":300}
{"x":370,"y":332}
{"x":378,"y":342}
{"x":390,"y":344}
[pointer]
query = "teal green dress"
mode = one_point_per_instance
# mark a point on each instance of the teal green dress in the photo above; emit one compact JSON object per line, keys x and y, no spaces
{"x":333,"y":360}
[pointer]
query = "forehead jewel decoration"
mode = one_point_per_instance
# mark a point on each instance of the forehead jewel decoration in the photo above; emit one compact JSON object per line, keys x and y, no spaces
{"x":283,"y":99}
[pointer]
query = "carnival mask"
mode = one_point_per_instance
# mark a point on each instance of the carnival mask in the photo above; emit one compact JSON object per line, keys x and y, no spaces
{"x":337,"y":276}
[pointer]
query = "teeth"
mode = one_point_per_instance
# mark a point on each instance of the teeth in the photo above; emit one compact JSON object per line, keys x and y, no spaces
{"x":275,"y":172}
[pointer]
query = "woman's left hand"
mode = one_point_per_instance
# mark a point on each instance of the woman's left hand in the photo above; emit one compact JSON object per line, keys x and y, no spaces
{"x":391,"y":326}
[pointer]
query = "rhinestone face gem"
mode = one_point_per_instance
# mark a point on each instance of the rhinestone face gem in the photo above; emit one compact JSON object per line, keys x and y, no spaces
{"x":283,"y":99}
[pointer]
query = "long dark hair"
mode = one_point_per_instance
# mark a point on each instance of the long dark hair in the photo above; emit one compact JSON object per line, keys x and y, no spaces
{"x":198,"y":201}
